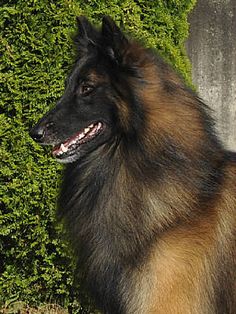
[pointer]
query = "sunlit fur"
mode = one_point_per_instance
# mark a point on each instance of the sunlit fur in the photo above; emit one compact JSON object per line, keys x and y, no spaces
{"x":150,"y":211}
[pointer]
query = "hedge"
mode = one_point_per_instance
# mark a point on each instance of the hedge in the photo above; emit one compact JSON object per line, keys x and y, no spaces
{"x":35,"y":263}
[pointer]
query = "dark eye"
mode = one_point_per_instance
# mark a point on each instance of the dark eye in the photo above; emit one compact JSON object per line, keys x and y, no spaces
{"x":85,"y":89}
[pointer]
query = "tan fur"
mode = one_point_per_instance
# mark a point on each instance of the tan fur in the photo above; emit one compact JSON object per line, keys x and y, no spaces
{"x":185,"y":259}
{"x":181,"y":270}
{"x":166,"y":115}
{"x":124,"y":114}
{"x":183,"y":262}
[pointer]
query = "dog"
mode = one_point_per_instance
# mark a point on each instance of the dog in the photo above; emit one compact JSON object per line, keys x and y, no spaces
{"x":148,"y":197}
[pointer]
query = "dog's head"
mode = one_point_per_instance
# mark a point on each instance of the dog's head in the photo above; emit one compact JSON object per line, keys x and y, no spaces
{"x":98,"y":103}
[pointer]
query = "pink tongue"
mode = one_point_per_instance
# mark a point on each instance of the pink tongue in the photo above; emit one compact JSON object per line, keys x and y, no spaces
{"x":71,"y":139}
{"x":57,"y":149}
{"x":82,"y":134}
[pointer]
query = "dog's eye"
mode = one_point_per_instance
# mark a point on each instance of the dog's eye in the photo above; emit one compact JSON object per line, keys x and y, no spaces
{"x":85,"y":89}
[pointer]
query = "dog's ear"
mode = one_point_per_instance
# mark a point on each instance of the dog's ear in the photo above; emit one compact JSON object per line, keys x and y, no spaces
{"x":114,"y":40}
{"x":86,"y":34}
{"x":85,"y":28}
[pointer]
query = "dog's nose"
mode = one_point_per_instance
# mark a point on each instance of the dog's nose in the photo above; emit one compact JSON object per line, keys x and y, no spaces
{"x":38,"y":132}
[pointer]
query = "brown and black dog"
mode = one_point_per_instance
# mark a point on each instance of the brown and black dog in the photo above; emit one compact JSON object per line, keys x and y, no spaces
{"x":149,"y":194}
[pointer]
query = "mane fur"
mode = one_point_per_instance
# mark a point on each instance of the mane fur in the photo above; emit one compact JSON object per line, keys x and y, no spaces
{"x":163,"y":172}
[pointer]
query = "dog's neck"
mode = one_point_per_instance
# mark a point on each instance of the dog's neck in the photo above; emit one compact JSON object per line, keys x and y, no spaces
{"x":113,"y":191}
{"x":119,"y":204}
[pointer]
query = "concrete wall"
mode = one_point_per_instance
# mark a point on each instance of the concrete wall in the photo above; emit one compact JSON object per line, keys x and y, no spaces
{"x":212,"y":51}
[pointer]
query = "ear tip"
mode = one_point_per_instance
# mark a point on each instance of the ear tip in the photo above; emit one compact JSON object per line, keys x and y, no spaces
{"x":81,"y":19}
{"x":107,"y":20}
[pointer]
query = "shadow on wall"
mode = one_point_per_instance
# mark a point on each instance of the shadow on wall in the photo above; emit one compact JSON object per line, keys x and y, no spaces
{"x":212,"y":50}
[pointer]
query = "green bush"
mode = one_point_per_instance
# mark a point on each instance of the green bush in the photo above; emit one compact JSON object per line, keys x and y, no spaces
{"x":36,"y":49}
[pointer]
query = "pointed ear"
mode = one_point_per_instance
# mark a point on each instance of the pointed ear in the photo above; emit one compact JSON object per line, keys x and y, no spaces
{"x":84,"y":27}
{"x":86,"y":33}
{"x":114,"y":39}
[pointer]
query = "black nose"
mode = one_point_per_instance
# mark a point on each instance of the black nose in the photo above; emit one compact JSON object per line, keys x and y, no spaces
{"x":39,"y":131}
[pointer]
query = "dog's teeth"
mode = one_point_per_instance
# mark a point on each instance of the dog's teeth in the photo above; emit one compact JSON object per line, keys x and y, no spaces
{"x":63,"y":148}
{"x":92,"y":128}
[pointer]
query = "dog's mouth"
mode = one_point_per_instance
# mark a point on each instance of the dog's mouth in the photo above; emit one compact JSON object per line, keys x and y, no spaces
{"x":72,"y":145}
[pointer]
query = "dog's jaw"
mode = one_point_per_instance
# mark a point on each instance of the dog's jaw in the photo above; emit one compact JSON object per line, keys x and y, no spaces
{"x":69,"y":150}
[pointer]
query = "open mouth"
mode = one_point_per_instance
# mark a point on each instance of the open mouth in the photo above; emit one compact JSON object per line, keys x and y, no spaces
{"x":71,"y":145}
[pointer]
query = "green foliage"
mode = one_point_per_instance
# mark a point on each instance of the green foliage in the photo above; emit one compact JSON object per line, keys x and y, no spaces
{"x":36,"y":50}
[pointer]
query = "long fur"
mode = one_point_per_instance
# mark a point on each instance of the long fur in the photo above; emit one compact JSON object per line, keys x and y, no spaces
{"x":151,"y":212}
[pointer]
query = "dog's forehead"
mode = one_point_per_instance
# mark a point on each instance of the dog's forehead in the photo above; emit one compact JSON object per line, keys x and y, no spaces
{"x":88,"y":69}
{"x":97,"y":76}
{"x":80,"y":67}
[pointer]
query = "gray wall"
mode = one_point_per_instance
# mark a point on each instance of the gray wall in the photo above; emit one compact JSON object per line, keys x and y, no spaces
{"x":212,"y":51}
